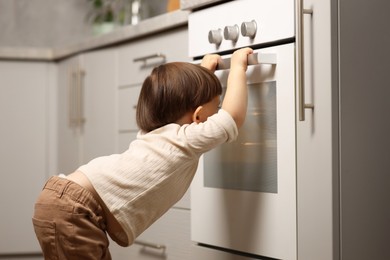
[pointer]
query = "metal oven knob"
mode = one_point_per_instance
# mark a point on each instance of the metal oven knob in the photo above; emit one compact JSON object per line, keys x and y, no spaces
{"x":231,"y":33}
{"x":249,"y":29}
{"x":215,"y":36}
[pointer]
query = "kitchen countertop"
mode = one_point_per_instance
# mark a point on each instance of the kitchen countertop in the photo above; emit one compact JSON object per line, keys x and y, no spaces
{"x":194,"y":4}
{"x":125,"y":33}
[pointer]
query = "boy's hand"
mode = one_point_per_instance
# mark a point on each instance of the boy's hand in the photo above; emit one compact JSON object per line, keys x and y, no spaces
{"x":236,"y":96}
{"x":210,"y":61}
{"x":240,"y":58}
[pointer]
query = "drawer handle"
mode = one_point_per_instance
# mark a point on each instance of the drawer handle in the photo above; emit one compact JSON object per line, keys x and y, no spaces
{"x":152,"y":56}
{"x":151,"y":245}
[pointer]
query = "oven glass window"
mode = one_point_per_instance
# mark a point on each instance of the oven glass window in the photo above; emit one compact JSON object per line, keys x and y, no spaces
{"x":249,"y":163}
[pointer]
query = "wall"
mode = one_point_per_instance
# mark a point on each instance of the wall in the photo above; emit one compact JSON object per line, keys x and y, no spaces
{"x":51,"y":23}
{"x":42,"y":23}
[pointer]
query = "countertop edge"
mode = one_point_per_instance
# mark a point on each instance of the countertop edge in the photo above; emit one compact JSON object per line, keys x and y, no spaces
{"x":28,"y":53}
{"x":144,"y":28}
{"x":194,"y":4}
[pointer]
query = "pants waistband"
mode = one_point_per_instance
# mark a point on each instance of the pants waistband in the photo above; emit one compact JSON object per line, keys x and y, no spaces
{"x":78,"y":193}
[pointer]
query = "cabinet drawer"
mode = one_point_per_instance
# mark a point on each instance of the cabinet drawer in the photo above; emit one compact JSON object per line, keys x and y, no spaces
{"x":172,"y":44}
{"x":171,"y":232}
{"x":128,"y":129}
{"x":127,"y":105}
{"x":124,"y":139}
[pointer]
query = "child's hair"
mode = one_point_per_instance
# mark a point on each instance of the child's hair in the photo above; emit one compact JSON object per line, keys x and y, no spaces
{"x":172,"y":90}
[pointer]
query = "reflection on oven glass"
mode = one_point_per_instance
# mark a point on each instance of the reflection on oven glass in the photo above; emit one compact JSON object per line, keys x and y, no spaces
{"x":249,"y":163}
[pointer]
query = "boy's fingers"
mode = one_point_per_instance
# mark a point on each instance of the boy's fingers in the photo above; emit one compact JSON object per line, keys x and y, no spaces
{"x":210,"y":61}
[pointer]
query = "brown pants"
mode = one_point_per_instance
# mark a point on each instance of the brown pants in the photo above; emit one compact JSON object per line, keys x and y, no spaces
{"x":69,"y":222}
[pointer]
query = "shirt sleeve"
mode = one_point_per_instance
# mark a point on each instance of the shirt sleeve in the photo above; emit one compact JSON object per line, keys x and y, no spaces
{"x":217,"y":129}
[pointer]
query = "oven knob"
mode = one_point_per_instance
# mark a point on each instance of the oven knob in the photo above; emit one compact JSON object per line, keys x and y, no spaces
{"x":215,"y":36}
{"x":231,"y":33}
{"x":249,"y":29}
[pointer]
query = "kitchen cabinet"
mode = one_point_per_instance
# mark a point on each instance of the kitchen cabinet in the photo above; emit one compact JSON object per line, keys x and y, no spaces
{"x":62,"y":114}
{"x":136,"y":59}
{"x":135,"y":62}
{"x":343,"y":144}
{"x":167,"y":238}
{"x":27,"y":151}
{"x":316,"y":148}
{"x":87,"y":107}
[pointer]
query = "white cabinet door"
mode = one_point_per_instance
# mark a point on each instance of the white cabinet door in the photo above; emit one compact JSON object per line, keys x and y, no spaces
{"x":87,"y":120}
{"x":136,"y":59}
{"x":315,"y":143}
{"x":69,"y":137}
{"x":99,"y":131}
{"x":26,"y":150}
{"x":168,"y":238}
{"x":127,"y":106}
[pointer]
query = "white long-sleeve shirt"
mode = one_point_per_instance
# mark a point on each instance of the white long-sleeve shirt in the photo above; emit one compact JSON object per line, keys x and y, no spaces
{"x":141,"y":184}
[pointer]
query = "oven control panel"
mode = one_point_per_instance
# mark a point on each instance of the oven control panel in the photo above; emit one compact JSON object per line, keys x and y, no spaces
{"x":237,"y":24}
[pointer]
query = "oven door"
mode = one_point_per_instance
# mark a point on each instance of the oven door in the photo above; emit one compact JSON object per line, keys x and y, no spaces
{"x":243,"y":197}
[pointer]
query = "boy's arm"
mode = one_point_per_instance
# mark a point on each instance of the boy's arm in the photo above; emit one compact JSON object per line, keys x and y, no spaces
{"x":236,"y":97}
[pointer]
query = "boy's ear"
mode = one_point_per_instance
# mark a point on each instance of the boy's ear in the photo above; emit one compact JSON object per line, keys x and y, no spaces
{"x":196,"y":117}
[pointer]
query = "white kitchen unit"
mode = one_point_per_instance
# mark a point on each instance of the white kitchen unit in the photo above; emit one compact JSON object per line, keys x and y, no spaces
{"x":342,"y":140}
{"x":136,"y":60}
{"x":87,"y":108}
{"x":27,"y":151}
{"x":169,"y":237}
{"x":61,"y":113}
{"x":343,"y":144}
{"x":317,"y":159}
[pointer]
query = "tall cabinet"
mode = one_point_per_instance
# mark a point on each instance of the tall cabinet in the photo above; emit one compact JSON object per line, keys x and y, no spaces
{"x":343,"y":144}
{"x":87,"y":108}
{"x":27,"y":150}
{"x":317,"y":139}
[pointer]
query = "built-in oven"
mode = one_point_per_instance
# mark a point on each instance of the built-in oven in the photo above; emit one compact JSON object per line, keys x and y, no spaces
{"x":243,"y":197}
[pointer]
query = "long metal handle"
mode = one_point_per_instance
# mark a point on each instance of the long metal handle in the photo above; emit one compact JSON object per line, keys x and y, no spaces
{"x":152,"y":56}
{"x":76,"y":97}
{"x":301,"y":58}
{"x":71,"y":97}
{"x":253,"y":59}
{"x":80,"y":98}
{"x":151,"y":245}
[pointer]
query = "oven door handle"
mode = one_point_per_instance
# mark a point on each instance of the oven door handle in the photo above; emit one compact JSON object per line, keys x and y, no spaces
{"x":253,"y":59}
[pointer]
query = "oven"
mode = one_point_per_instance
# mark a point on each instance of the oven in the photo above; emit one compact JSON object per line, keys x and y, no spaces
{"x":243,"y":197}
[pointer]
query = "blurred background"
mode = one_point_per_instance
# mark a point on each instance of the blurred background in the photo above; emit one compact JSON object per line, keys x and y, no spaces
{"x":53,"y":23}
